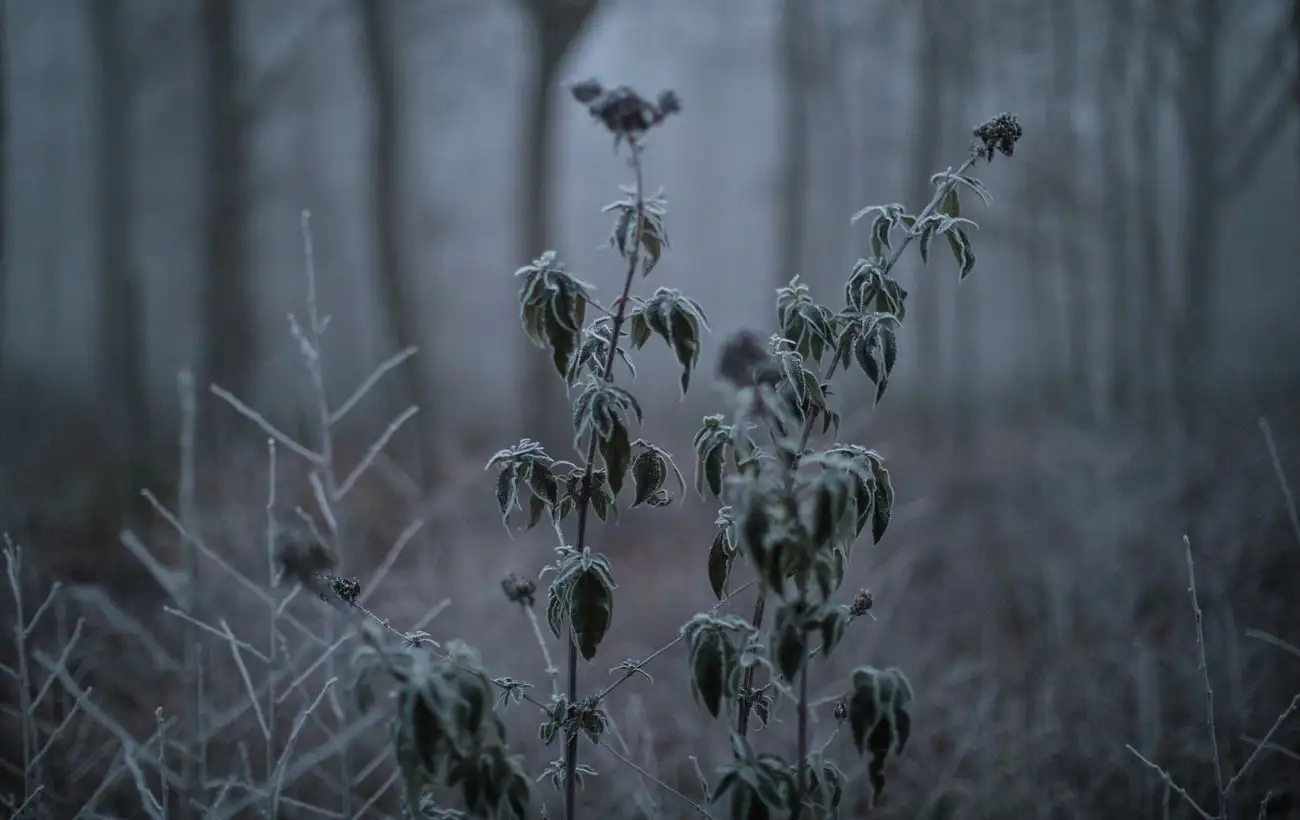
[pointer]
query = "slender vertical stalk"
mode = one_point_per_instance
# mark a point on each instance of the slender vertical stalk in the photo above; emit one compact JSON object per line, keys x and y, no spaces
{"x":194,"y":767}
{"x":272,"y":640}
{"x":329,"y":491}
{"x":584,"y":506}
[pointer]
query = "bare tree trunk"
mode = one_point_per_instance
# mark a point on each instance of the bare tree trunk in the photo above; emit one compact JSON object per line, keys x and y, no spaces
{"x":4,"y":178}
{"x":966,"y":341}
{"x":928,"y":124}
{"x":556,"y":26}
{"x":230,"y":332}
{"x":1295,"y":56}
{"x":1152,"y":310}
{"x":402,"y":306}
{"x":791,"y":233}
{"x":832,"y":32}
{"x":121,"y":327}
{"x":1113,"y":98}
{"x":1063,"y":24}
{"x":1198,"y":110}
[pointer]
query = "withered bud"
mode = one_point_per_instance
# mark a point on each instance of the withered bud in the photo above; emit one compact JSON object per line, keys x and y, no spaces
{"x":622,"y":110}
{"x":861,"y":603}
{"x":348,"y":589}
{"x":999,"y":134}
{"x":519,"y":590}
{"x":746,"y":362}
{"x":585,"y":91}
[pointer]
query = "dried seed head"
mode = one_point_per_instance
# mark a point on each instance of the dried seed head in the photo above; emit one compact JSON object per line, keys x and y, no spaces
{"x":622,"y":110}
{"x":348,"y":589}
{"x":519,"y":590}
{"x":745,"y":361}
{"x":999,"y":134}
{"x":861,"y":603}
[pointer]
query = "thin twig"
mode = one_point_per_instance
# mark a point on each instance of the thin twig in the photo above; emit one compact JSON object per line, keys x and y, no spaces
{"x":384,"y":368}
{"x":700,"y":810}
{"x":1171,"y":785}
{"x":1281,"y":476}
{"x":1259,"y":747}
{"x":1205,"y":679}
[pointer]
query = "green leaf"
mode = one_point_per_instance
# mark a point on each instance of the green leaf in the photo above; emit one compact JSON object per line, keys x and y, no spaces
{"x":648,"y":475}
{"x":788,"y":649}
{"x":591,"y":610}
{"x":959,"y":242}
{"x":507,"y":492}
{"x":883,"y":503}
{"x":709,"y":469}
{"x":927,"y":239}
{"x":556,"y":596}
{"x":951,"y":203}
{"x":617,"y":453}
{"x":720,"y":561}
{"x":709,"y":671}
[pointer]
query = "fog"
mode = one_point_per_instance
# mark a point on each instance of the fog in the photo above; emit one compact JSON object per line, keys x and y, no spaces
{"x":1136,"y":278}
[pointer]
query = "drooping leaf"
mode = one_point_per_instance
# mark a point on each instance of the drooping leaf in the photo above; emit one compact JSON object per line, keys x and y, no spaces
{"x":591,"y":610}
{"x":720,"y":561}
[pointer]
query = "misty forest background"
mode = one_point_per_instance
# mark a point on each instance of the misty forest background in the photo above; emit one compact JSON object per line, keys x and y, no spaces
{"x":1058,"y":421}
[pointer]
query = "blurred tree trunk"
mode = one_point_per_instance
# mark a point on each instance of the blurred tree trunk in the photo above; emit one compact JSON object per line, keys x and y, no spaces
{"x":556,"y":26}
{"x":1113,"y":96}
{"x":400,"y":299}
{"x":1041,"y":350}
{"x":229,"y":319}
{"x":1224,"y":146}
{"x":833,"y":28}
{"x":928,"y":125}
{"x":1295,"y":56}
{"x":1154,"y":302}
{"x":4,"y":178}
{"x":967,"y":333}
{"x":791,"y":233}
{"x":1063,"y":26}
{"x":121,"y":326}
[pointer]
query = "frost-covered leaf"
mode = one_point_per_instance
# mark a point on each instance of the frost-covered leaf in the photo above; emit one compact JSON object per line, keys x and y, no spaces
{"x":591,"y":609}
{"x":679,"y":321}
{"x":553,"y":308}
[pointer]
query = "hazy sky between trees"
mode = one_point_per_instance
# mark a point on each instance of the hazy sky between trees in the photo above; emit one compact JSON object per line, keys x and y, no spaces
{"x":1141,"y":249}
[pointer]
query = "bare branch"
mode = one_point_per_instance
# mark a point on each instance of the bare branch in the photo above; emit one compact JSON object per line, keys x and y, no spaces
{"x":384,"y":368}
{"x":268,"y":428}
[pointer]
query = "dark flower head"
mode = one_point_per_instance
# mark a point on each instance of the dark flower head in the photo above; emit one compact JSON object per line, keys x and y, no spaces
{"x":999,"y":134}
{"x":746,"y":362}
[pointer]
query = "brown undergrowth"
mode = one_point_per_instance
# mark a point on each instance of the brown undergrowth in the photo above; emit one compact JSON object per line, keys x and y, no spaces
{"x":1037,"y":597}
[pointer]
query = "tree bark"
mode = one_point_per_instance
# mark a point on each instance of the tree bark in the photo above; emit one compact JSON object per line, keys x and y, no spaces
{"x":121,"y":326}
{"x":229,"y":326}
{"x":402,"y":307}
{"x":556,"y":26}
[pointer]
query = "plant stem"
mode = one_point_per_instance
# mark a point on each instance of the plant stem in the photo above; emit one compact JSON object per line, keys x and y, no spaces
{"x":584,"y":505}
{"x":803,"y":740}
